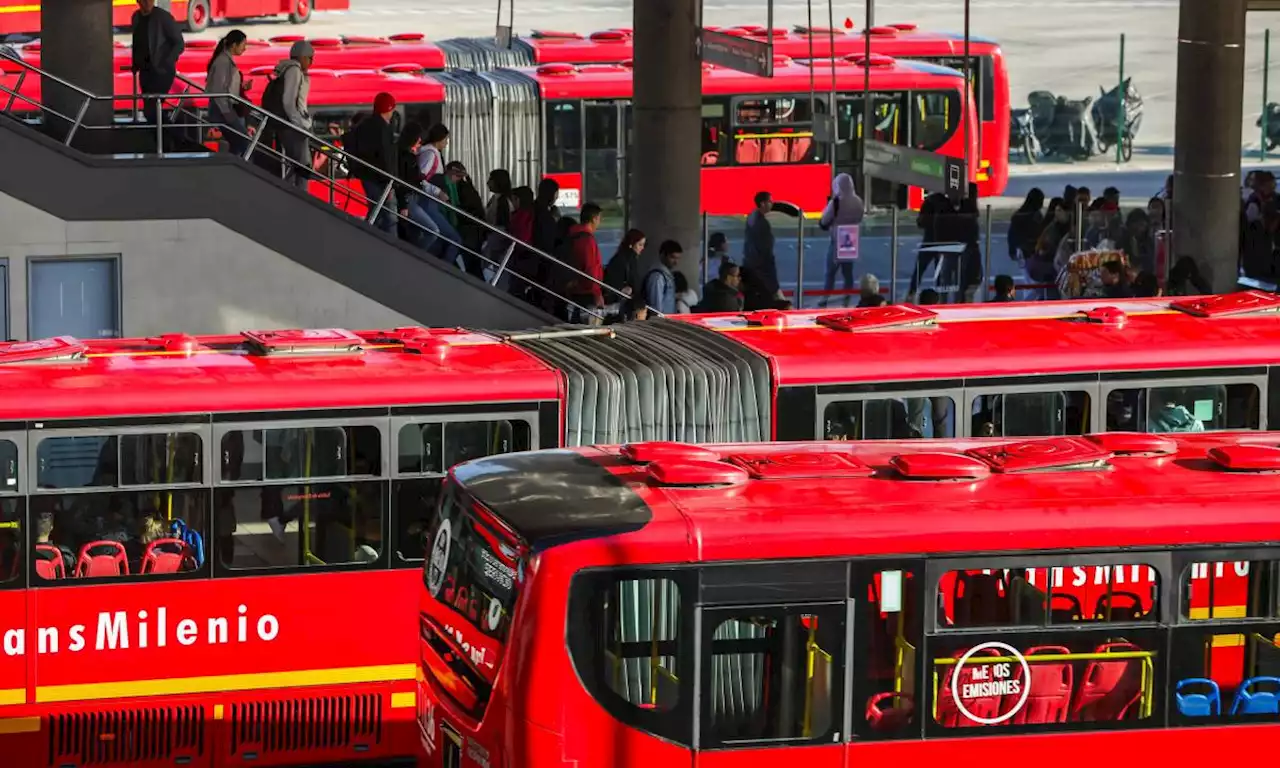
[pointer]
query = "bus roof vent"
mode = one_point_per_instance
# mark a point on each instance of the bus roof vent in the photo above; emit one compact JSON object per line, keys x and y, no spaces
{"x":1229,"y":304}
{"x":644,"y":453}
{"x":265,"y":69}
{"x":874,"y":60}
{"x":824,"y":31}
{"x":610,"y":36}
{"x":883,"y":31}
{"x":402,"y":68}
{"x":905,"y":27}
{"x":1246,"y":458}
{"x":937,"y":465}
{"x":782,"y":60}
{"x":174,"y":342}
{"x":796,"y":466}
{"x":407,"y":37}
{"x":696,"y":473}
{"x":762,"y":32}
{"x":59,"y":349}
{"x":286,"y":39}
{"x":1134,"y":444}
{"x":878,"y":318}
{"x":557,"y":70}
{"x":326,"y":42}
{"x":365,"y":40}
{"x":1111,"y":317}
{"x":1056,"y":454}
{"x":766,"y":318}
{"x":735,"y":31}
{"x":326,"y":341}
{"x":254,"y":43}
{"x":201,"y":45}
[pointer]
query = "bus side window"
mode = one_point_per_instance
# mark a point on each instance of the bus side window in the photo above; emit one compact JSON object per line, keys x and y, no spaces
{"x":1226,"y":670}
{"x":888,"y":628}
{"x":1195,"y":408}
{"x":564,"y":137}
{"x":715,"y":133}
{"x":901,"y":418}
{"x":1031,"y":414}
{"x":935,"y":116}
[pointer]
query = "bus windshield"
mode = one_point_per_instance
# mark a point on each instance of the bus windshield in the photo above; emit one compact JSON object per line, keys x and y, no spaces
{"x":472,"y":574}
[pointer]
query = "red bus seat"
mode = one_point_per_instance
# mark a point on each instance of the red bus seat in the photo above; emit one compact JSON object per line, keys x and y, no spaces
{"x":888,"y":712}
{"x":1050,"y":687}
{"x":1066,"y":609}
{"x":49,"y":563}
{"x":1119,"y":606}
{"x":111,"y":560}
{"x":1108,"y":689}
{"x":167,"y":556}
{"x":949,"y":714}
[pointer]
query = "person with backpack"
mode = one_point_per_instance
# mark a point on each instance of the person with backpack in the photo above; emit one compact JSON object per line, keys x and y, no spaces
{"x":286,"y":98}
{"x":660,"y":283}
{"x":373,"y":142}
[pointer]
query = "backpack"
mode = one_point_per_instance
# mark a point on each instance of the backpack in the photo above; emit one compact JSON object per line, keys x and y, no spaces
{"x":273,"y":97}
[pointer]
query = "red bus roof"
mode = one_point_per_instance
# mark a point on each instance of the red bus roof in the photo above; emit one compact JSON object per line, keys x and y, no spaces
{"x":878,"y":498}
{"x":357,"y":87}
{"x":132,"y":377}
{"x":566,"y":81}
{"x":616,"y":45}
{"x":1003,"y":340}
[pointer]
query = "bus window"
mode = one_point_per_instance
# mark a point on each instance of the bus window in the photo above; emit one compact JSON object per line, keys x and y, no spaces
{"x":982,"y":76}
{"x":903,"y":418}
{"x":772,"y":130}
{"x":11,"y":542}
{"x":83,"y":461}
{"x":1046,"y":596}
{"x":301,"y":453}
{"x":935,"y":116}
{"x":118,"y":534}
{"x":161,"y":459}
{"x":564,"y":137}
{"x":8,"y":467}
{"x":466,"y":440}
{"x":1031,"y":414}
{"x":291,"y":525}
{"x":715,"y":133}
{"x":1184,"y":409}
{"x":888,"y":631}
{"x":774,"y":675}
{"x":421,"y":449}
{"x":1231,"y":590}
{"x":887,"y":119}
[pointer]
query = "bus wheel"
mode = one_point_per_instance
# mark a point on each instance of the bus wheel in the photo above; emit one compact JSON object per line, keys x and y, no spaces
{"x":301,"y":13}
{"x":197,"y":15}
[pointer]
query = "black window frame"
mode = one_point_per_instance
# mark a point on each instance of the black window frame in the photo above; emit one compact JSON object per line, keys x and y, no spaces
{"x":557,"y":157}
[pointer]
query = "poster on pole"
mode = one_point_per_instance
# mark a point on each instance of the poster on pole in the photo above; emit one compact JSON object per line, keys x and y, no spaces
{"x":847,"y":239}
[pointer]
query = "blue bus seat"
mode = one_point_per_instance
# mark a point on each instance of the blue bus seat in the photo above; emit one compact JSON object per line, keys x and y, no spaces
{"x":179,"y":530}
{"x":1250,"y":701}
{"x":1205,"y":702}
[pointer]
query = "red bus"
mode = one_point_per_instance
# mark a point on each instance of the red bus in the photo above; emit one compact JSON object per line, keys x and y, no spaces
{"x":898,"y":603}
{"x":342,"y":439}
{"x":23,"y":16}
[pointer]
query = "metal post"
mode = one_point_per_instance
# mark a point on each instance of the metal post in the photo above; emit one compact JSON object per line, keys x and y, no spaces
{"x":257,"y":136}
{"x":986,"y":271}
{"x":159,"y":126}
{"x":1121,"y":118}
{"x":382,"y":201}
{"x":866,"y":97}
{"x":17,"y":88}
{"x":84,"y":107}
{"x":833,"y":109}
{"x":893,"y":258}
{"x":332,"y":161}
{"x":799,"y":302}
{"x":1079,"y":233}
{"x":1266,"y":73}
{"x":706,"y":249}
{"x":968,"y":97}
{"x":502,"y":265}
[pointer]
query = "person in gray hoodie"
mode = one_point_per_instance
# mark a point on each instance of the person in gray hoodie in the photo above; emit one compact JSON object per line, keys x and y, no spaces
{"x":224,"y":77}
{"x":296,"y":90}
{"x":843,"y":209}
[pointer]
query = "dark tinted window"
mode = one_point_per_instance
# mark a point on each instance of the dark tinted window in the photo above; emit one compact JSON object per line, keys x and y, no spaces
{"x":413,"y":504}
{"x":301,"y":453}
{"x":97,"y":461}
{"x":9,"y":467}
{"x":1184,"y":409}
{"x":1031,"y":414}
{"x":313,"y":524}
{"x":890,"y":419}
{"x":466,"y":440}
{"x":935,"y":117}
{"x":564,"y":137}
{"x":11,"y":539}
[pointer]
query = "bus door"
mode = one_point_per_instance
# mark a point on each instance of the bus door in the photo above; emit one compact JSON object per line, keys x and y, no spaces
{"x":602,"y":139}
{"x":889,"y":123}
{"x":773,"y":673}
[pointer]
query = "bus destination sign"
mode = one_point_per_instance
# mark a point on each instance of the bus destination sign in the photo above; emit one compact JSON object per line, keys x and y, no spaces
{"x":754,"y":57}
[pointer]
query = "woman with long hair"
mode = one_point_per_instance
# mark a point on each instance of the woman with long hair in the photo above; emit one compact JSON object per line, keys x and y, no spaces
{"x":623,"y":271}
{"x":224,"y":77}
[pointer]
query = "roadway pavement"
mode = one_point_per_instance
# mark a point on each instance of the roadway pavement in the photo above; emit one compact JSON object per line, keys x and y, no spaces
{"x":1069,"y":47}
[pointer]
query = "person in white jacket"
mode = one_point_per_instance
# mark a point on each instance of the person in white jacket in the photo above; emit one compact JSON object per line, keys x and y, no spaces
{"x":844,"y":208}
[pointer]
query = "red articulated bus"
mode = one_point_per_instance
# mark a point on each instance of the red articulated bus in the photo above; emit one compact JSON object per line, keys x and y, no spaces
{"x":23,"y":16}
{"x":1034,"y":601}
{"x":210,"y":567}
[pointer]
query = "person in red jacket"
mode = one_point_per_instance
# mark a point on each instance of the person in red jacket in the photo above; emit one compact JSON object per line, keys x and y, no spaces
{"x":584,"y":255}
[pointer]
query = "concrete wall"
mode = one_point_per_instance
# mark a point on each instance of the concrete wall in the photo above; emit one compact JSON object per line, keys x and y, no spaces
{"x":184,"y":276}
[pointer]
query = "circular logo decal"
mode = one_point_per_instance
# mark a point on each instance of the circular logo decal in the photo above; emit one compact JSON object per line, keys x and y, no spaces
{"x":495,"y":614}
{"x":1007,"y":650}
{"x":439,"y":558}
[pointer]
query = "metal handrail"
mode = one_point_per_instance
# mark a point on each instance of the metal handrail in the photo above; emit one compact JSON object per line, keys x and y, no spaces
{"x":254,"y":145}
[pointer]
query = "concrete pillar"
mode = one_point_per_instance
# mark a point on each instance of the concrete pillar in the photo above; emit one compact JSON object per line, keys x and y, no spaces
{"x":1206,"y":191}
{"x":76,"y":46}
{"x":665,"y":150}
